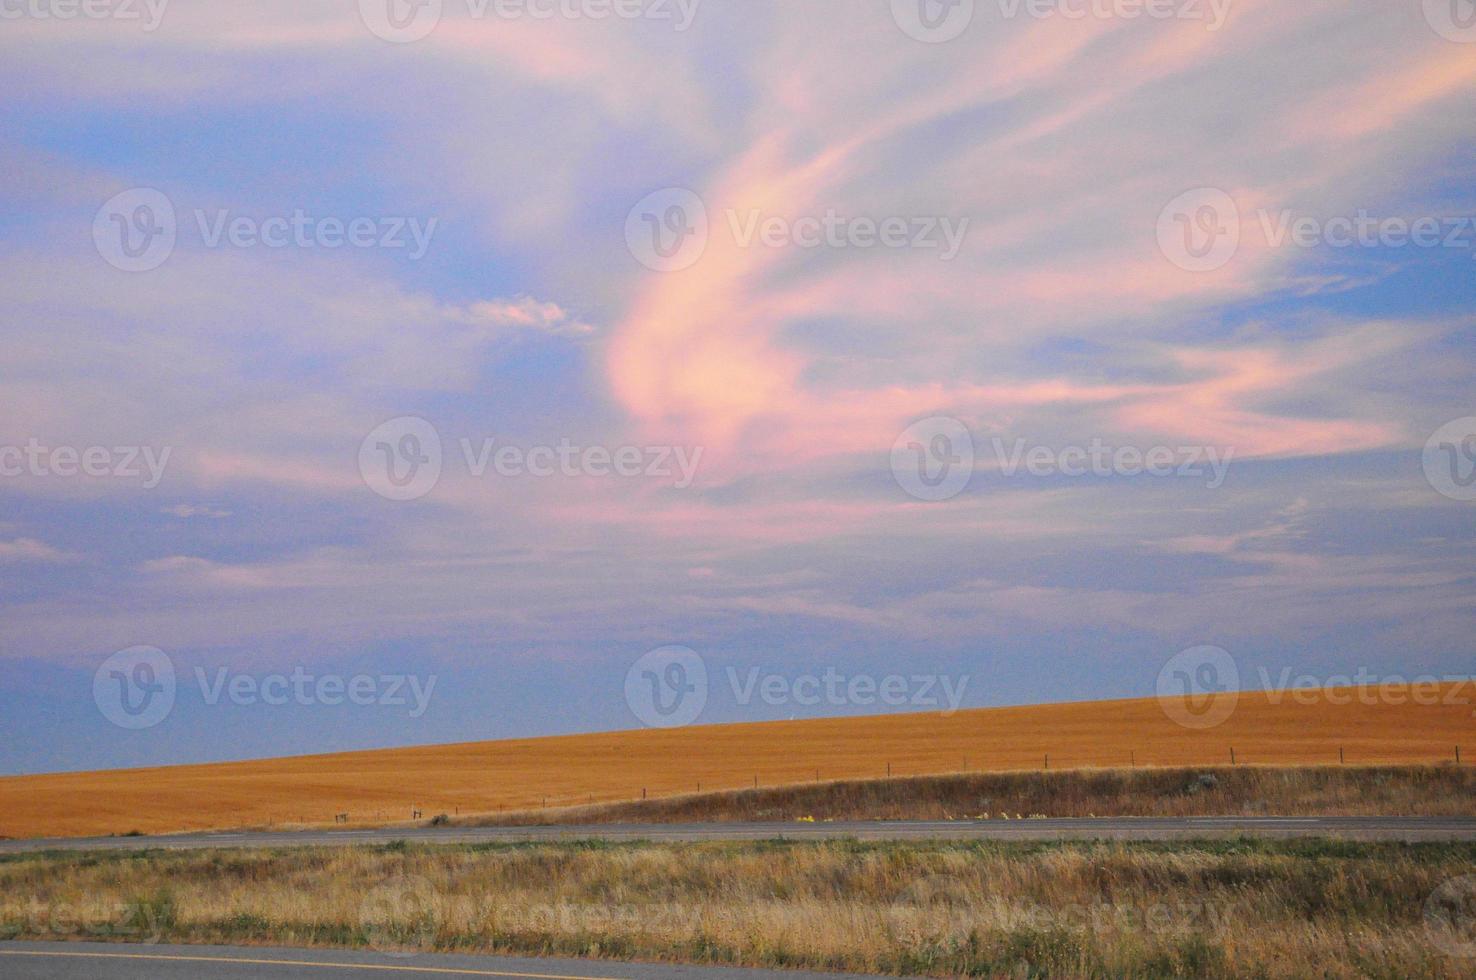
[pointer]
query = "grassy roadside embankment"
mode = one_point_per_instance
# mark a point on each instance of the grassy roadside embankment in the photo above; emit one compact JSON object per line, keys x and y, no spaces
{"x":1203,"y":909}
{"x":1444,"y":791}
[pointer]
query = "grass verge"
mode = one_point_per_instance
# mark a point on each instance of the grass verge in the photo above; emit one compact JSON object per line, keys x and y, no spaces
{"x":1239,"y":908}
{"x":1228,"y":791}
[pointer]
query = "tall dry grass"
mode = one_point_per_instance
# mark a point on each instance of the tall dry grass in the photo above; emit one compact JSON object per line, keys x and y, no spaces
{"x":1208,"y":791}
{"x":1206,"y":909}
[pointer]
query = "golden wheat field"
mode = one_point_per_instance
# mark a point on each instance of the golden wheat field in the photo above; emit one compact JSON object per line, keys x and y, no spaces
{"x":489,"y":777}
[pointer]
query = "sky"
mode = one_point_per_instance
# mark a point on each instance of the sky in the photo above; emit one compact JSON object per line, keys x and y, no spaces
{"x":410,"y":371}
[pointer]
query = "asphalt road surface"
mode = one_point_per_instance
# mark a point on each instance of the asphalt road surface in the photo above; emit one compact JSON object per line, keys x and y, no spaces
{"x":1105,"y":828}
{"x":94,"y":961}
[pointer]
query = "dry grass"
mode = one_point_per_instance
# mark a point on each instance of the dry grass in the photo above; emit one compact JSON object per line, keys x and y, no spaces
{"x":1443,"y":791}
{"x":1207,"y":909}
{"x":375,"y":787}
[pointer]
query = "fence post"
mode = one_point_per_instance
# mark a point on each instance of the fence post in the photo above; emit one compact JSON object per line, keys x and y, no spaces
{"x":1458,"y":755}
{"x":1048,"y":760}
{"x":1341,"y":760}
{"x":889,"y":770}
{"x":1232,"y":755}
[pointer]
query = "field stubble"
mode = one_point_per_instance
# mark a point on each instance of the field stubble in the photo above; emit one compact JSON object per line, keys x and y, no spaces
{"x":384,"y":787}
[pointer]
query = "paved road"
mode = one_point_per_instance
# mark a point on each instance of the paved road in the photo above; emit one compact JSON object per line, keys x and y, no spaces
{"x":1109,"y":828}
{"x":93,"y":961}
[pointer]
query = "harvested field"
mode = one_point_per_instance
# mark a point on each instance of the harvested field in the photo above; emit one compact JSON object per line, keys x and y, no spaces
{"x":504,"y":777}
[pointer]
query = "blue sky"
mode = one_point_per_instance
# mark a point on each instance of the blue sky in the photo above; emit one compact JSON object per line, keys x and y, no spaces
{"x":1070,"y":155}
